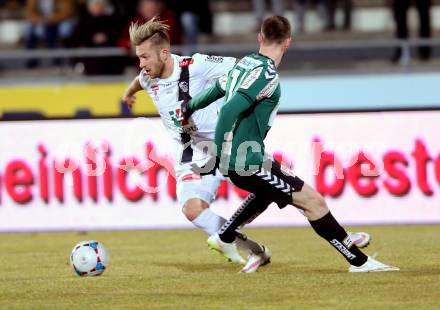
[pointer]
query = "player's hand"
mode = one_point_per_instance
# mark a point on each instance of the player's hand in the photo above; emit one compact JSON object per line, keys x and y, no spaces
{"x":185,"y":110}
{"x":209,"y":168}
{"x":129,"y":100}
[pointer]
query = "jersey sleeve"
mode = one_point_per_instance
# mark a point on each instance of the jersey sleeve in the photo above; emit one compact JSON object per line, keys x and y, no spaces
{"x":206,"y":97}
{"x":261,"y":83}
{"x":228,"y":116}
{"x":212,"y":67}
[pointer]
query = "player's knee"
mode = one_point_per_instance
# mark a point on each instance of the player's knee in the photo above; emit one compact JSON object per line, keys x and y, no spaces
{"x":317,"y":205}
{"x":192,"y":208}
{"x":312,"y":203}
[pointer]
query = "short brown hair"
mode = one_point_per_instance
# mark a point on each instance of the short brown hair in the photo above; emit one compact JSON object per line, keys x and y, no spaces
{"x":154,"y":30}
{"x":276,"y":29}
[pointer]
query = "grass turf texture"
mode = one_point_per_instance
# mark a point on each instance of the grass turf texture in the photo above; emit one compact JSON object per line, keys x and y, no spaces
{"x":175,"y":270}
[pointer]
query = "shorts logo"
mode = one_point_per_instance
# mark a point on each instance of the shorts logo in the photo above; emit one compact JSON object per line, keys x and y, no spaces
{"x":275,"y":181}
{"x":184,"y":87}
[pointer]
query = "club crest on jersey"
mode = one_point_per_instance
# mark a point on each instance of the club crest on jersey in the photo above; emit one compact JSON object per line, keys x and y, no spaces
{"x":184,"y":86}
{"x":155,"y":89}
{"x":186,"y":62}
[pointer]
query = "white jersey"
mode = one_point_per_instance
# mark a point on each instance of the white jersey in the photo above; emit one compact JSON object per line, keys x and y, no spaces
{"x":203,"y":71}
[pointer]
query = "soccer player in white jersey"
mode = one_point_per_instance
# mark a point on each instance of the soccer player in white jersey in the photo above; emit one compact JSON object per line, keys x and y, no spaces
{"x":169,"y":79}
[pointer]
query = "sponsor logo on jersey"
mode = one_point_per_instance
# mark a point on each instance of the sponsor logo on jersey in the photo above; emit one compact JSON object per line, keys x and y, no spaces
{"x":249,"y":63}
{"x":269,"y":89}
{"x":341,"y":248}
{"x":186,"y":62}
{"x":253,"y":76}
{"x":216,"y":59}
{"x":184,"y":86}
{"x":180,"y":122}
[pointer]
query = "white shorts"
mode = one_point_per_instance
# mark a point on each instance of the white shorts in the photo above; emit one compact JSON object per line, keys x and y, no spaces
{"x":190,"y":185}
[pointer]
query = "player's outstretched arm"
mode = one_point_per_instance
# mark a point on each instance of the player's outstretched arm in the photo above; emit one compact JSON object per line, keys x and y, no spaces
{"x":129,"y":97}
{"x":204,"y":98}
{"x":229,"y":114}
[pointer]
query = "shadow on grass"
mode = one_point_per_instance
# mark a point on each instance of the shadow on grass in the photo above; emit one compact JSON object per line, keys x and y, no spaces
{"x":196,"y":267}
{"x":421,"y":272}
{"x":278,"y":268}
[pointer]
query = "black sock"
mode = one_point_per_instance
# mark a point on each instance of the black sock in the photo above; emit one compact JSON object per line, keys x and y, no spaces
{"x":249,"y":209}
{"x":329,"y":229}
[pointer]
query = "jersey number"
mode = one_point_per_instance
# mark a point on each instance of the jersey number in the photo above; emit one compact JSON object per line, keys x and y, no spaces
{"x":234,"y":85}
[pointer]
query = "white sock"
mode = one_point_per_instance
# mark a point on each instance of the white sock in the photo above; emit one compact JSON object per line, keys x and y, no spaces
{"x":209,"y":222}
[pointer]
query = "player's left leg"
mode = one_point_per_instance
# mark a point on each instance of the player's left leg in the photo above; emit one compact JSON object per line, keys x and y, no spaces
{"x":195,"y":195}
{"x":260,"y":255}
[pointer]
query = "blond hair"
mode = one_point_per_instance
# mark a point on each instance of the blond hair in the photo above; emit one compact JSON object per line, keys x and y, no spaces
{"x":154,"y":30}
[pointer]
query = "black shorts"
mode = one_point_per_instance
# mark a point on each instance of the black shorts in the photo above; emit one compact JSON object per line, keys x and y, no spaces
{"x":271,"y":183}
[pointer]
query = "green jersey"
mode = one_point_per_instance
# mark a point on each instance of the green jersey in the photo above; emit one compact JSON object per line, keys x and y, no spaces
{"x":252,"y":92}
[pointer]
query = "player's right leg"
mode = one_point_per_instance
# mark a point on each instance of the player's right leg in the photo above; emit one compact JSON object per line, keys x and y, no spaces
{"x":287,"y":188}
{"x":326,"y":226}
{"x":283,"y":188}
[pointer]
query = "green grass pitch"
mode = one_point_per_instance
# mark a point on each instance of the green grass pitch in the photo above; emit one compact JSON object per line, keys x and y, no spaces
{"x":175,"y":270}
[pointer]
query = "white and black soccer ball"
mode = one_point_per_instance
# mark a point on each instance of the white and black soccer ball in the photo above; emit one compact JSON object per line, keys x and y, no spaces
{"x":89,"y":258}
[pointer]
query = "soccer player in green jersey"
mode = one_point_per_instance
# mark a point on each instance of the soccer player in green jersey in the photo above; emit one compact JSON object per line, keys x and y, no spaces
{"x":251,"y":94}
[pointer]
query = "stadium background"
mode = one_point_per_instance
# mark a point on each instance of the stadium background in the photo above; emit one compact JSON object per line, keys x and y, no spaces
{"x":347,"y":94}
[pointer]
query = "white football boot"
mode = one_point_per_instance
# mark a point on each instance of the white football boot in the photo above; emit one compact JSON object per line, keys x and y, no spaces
{"x":256,"y":261}
{"x":372,"y":265}
{"x":360,"y":239}
{"x":228,"y":250}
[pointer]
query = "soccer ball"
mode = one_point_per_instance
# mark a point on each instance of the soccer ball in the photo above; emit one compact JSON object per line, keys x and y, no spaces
{"x":89,"y":258}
